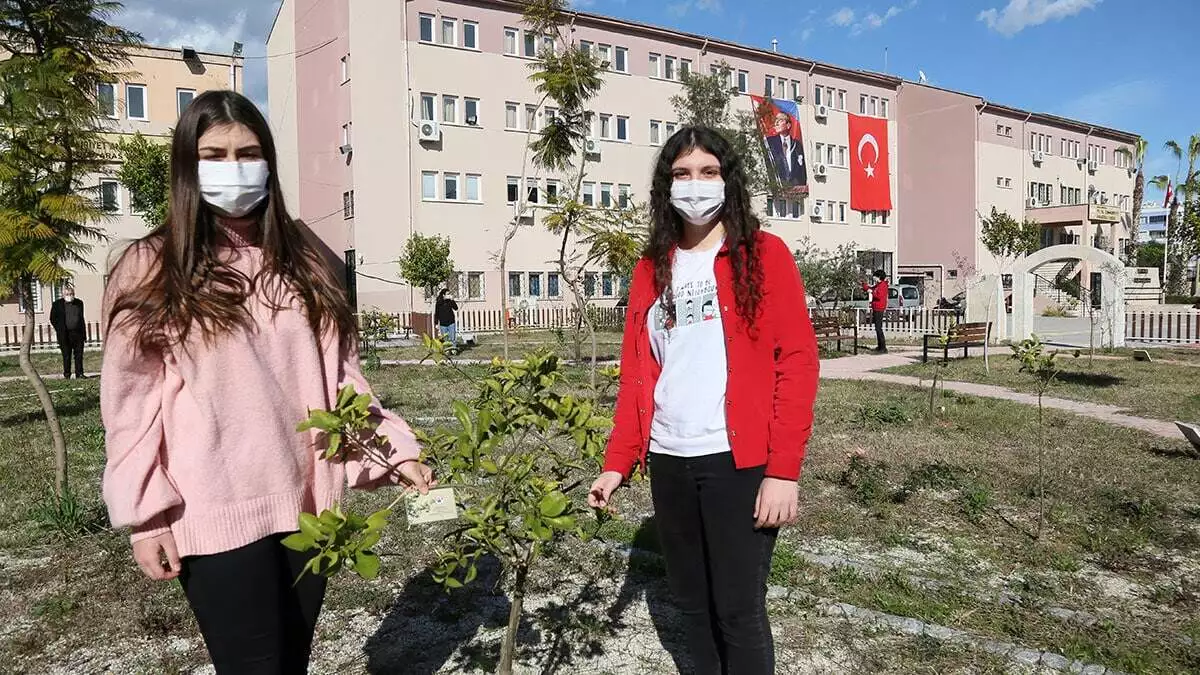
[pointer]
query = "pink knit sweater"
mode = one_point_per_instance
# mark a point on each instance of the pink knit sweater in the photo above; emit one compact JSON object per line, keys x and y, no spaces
{"x":203,"y":443}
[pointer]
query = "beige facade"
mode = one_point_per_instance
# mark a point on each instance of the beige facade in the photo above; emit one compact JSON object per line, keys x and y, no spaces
{"x":448,"y":60}
{"x":156,"y":86}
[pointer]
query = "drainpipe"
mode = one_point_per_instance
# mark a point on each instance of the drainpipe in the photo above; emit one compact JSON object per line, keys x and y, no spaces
{"x":408,"y":138}
{"x":978,"y":171}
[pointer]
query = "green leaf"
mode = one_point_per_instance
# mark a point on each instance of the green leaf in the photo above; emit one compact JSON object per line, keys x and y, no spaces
{"x":312,"y":527}
{"x":489,"y":466}
{"x":553,"y":504}
{"x":366,"y":565}
{"x":299,"y":541}
{"x":345,"y":396}
{"x":561,"y":522}
{"x":378,"y":520}
{"x":324,"y":420}
{"x":451,"y":582}
{"x":335,"y":444}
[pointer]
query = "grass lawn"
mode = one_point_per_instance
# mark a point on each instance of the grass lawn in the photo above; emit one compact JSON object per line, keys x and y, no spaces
{"x":1158,"y":390}
{"x":928,"y":522}
{"x":491,"y":345}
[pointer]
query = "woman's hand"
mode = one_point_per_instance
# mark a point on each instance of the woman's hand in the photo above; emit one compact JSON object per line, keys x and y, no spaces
{"x":776,"y":503}
{"x":603,"y":488}
{"x":149,"y":554}
{"x":417,"y":476}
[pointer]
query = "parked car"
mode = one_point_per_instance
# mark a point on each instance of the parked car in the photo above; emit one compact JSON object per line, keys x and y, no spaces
{"x":900,"y":296}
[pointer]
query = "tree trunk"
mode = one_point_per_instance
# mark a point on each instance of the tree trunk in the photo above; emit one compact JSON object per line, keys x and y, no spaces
{"x":504,"y":295}
{"x":508,"y":647}
{"x":1139,"y":193}
{"x":933,"y":390}
{"x":43,"y":394}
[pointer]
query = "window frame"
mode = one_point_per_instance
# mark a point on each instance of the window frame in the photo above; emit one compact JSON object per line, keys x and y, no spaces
{"x":184,"y":90}
{"x":621,"y":54}
{"x":515,"y":109}
{"x":432,"y":99}
{"x":622,"y":128}
{"x":474,"y":26}
{"x":345,"y":62}
{"x":468,"y":102}
{"x":145,"y":117}
{"x":421,"y":19}
{"x":515,"y":34}
{"x":425,"y":176}
{"x":104,"y":180}
{"x":478,"y":181}
{"x":450,"y":99}
{"x":453,"y":23}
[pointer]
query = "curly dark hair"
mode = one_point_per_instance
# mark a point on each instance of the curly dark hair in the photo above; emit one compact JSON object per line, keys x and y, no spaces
{"x":741,"y":225}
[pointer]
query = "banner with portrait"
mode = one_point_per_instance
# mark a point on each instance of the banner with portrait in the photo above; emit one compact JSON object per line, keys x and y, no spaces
{"x":779,"y":121}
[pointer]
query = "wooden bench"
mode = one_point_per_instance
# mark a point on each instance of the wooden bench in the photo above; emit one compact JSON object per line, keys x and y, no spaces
{"x":965,"y":335}
{"x":829,"y":329}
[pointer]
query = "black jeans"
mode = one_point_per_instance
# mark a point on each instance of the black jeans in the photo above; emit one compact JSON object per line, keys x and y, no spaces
{"x":71,"y":346}
{"x":255,"y":617}
{"x":877,"y":318}
{"x":717,"y":562}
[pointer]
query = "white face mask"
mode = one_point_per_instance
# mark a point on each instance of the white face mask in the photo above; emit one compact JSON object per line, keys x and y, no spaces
{"x":698,"y":201}
{"x":233,"y":188}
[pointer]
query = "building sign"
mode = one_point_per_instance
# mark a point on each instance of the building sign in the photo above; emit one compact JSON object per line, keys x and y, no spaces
{"x":1103,"y":213}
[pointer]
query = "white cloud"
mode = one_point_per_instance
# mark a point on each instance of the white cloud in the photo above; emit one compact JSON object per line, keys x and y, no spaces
{"x":1018,"y":15}
{"x":805,"y":34}
{"x":842,"y":17}
{"x":684,"y":7}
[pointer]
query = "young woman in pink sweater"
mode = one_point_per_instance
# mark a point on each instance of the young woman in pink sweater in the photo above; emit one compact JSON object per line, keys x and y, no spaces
{"x":224,"y":328}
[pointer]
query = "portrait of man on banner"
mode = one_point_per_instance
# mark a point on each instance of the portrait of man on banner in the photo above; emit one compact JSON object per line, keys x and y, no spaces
{"x":780,"y":123}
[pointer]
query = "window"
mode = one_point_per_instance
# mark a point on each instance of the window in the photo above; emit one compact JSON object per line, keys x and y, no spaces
{"x":829,"y":154}
{"x":348,"y":205}
{"x":841,"y":156}
{"x":883,"y":107}
{"x":551,"y":190}
{"x":769,"y":86}
{"x":531,"y":190}
{"x":450,"y":31}
{"x":510,"y":116}
{"x":473,"y":187}
{"x":531,"y":117}
{"x":604,"y":53}
{"x":862,"y":104}
{"x":655,"y":65}
{"x":552,"y":285}
{"x":605,"y":126}
{"x":622,"y":61}
{"x":623,"y":196}
{"x":841,"y":212}
{"x":622,"y":128}
{"x":450,"y":109}
{"x":797,"y":208}
{"x":535,"y":284}
{"x":670,"y":128}
{"x":795,"y":90}
{"x":427,"y":105}
{"x":549,"y":115}
{"x":655,"y":132}
{"x":586,"y":47}
{"x":685,"y":68}
{"x":547,"y":44}
{"x":429,"y":185}
{"x":470,"y":35}
{"x":345,"y":69}
{"x":669,"y":71}
{"x":135,"y":102}
{"x":474,"y":286}
{"x":818,"y":95}
{"x":606,"y":195}
{"x":743,"y":81}
{"x":35,"y":290}
{"x":530,"y":45}
{"x":589,"y":194}
{"x":426,"y":21}
{"x":589,"y":284}
{"x":471,"y":111}
{"x":873,"y":106}
{"x":514,"y":284}
{"x":183,"y":98}
{"x":841,"y":99}
{"x":346,"y":133}
{"x":510,"y":41}
{"x":513,"y":189}
{"x":110,"y":195}
{"x":106,"y":98}
{"x":608,"y":286}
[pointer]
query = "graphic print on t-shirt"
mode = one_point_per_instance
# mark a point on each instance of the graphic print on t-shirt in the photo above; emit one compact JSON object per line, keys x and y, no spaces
{"x":695,"y":302}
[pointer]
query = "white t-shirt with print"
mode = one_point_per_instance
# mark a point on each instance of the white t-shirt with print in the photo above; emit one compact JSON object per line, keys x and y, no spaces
{"x":689,"y":400}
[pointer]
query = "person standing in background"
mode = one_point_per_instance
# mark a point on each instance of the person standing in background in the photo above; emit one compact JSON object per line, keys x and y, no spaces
{"x":66,"y":316}
{"x":444,"y":311}
{"x":879,"y":301}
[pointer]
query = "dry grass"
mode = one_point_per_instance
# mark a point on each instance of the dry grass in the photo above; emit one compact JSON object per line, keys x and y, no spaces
{"x":1158,"y":390}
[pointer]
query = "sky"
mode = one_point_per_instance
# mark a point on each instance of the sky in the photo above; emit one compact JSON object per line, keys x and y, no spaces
{"x":1119,"y":63}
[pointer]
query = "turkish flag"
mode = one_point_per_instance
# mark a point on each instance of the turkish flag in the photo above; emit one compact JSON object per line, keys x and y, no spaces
{"x":870,"y":184}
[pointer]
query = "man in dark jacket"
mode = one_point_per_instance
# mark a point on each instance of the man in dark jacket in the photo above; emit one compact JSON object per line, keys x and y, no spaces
{"x":66,"y":316}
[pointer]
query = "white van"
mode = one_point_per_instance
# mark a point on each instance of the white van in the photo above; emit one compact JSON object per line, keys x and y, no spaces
{"x":899,"y":296}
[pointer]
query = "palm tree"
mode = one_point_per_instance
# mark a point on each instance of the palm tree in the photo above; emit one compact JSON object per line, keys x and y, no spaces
{"x":1137,"y":158}
{"x":1188,"y":188}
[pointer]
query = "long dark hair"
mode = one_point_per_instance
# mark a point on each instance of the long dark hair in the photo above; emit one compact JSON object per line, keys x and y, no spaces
{"x":741,"y":225}
{"x":189,"y":287}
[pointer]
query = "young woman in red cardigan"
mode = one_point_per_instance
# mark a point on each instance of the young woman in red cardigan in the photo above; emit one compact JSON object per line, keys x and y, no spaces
{"x":718,"y":375}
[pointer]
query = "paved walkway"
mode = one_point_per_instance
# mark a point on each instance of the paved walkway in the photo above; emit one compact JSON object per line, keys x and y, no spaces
{"x":863,"y":367}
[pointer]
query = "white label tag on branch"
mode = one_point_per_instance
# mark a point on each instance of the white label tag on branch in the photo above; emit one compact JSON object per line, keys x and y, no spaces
{"x":436,"y":506}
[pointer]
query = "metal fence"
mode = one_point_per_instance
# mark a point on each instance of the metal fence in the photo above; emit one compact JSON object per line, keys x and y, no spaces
{"x":1156,"y":325}
{"x":902,"y":321}
{"x":44,"y":336}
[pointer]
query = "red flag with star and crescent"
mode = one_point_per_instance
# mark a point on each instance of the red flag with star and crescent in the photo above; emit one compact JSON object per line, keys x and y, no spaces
{"x":870,"y":183}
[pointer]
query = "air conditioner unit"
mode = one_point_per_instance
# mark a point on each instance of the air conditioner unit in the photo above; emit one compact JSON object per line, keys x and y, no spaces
{"x":822,"y":112}
{"x":1031,"y":202}
{"x":1092,"y":165}
{"x":345,"y":149}
{"x":591,"y":146}
{"x":821,"y":170}
{"x":1039,"y":156}
{"x":818,"y":211}
{"x":429,"y":130}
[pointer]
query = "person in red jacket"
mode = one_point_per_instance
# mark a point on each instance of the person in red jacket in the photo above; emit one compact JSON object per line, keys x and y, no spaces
{"x":879,"y":302}
{"x":718,"y":376}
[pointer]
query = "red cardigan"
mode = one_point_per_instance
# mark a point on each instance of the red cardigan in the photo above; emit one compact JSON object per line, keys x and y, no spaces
{"x":773,"y":374}
{"x":879,"y":295}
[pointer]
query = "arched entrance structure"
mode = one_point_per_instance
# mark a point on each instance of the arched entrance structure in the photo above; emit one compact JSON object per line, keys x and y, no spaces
{"x":1112,"y":288}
